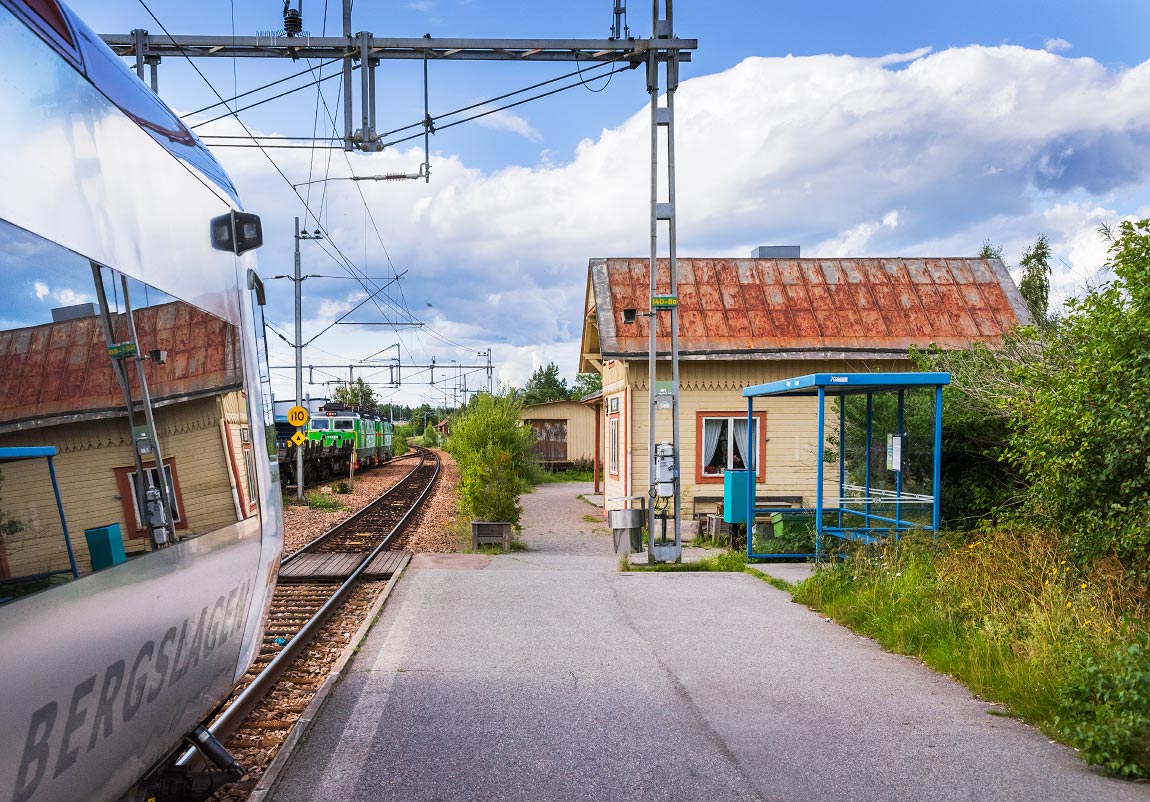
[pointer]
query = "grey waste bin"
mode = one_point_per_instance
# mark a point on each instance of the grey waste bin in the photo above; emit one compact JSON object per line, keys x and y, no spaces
{"x":627,"y":528}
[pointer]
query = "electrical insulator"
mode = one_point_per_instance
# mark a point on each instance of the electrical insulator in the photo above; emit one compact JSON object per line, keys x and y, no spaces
{"x":293,"y":21}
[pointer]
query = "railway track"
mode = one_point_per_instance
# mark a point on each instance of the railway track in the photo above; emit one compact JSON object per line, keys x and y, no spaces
{"x":309,"y":597}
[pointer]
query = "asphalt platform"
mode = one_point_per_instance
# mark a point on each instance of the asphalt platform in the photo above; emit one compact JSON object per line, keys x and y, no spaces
{"x":549,"y":675}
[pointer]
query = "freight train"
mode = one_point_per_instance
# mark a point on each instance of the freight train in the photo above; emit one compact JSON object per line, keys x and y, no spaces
{"x":337,"y":435}
{"x":140,"y":526}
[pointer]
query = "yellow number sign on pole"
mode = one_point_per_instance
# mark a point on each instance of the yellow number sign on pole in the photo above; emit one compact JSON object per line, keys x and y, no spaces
{"x":297,"y":416}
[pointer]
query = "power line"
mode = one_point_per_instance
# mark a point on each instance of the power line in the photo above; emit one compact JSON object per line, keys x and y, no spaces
{"x":258,"y":89}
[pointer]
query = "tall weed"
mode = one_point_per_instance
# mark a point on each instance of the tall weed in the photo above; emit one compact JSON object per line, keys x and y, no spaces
{"x":1012,"y":616}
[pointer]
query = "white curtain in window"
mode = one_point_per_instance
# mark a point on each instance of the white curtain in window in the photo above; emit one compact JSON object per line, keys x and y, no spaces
{"x":740,"y":438}
{"x":712,"y":431}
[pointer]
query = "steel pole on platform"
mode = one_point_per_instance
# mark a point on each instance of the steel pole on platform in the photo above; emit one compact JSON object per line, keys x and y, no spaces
{"x":662,"y":117}
{"x":297,"y":283}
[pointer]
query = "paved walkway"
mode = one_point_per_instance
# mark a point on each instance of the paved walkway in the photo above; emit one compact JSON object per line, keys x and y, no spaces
{"x":548,"y":675}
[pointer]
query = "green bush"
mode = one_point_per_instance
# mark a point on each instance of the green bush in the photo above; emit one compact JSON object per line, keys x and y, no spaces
{"x":1105,"y":710}
{"x":489,"y":487}
{"x":341,"y":487}
{"x":493,"y":449}
{"x":399,"y":439}
{"x":430,"y":436}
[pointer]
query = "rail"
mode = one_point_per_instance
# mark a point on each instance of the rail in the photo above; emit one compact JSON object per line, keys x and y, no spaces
{"x":251,"y":696}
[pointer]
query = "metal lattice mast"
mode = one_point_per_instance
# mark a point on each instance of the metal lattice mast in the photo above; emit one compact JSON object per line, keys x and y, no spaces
{"x":661,"y":60}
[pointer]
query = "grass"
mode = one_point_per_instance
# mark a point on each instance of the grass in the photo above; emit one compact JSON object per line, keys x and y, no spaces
{"x":1009,"y":615}
{"x":773,"y":581}
{"x":542,"y":477}
{"x":593,"y":519}
{"x":324,"y":501}
{"x":728,"y":561}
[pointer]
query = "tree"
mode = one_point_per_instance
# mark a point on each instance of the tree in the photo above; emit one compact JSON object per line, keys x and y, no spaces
{"x":545,"y":385}
{"x":1081,"y":422}
{"x":357,"y":394}
{"x":1035,"y":282}
{"x":990,"y":250}
{"x":585,"y":384}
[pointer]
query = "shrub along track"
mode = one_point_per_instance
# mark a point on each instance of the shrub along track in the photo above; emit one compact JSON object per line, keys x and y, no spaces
{"x":309,"y":626}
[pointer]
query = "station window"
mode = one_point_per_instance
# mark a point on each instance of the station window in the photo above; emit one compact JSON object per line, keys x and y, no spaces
{"x":127,"y":481}
{"x":613,"y":445}
{"x":721,"y":443}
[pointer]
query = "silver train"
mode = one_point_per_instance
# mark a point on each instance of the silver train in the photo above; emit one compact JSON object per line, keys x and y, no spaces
{"x":140,"y":526}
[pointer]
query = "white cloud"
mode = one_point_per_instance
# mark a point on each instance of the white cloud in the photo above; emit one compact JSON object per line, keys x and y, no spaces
{"x":420,"y":5}
{"x":63,"y":296}
{"x":839,"y":154}
{"x":1056,"y":45}
{"x":507,"y":121}
{"x":855,"y":241}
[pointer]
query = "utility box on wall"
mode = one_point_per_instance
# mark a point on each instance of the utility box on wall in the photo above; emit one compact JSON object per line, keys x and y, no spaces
{"x":734,"y":497}
{"x":105,"y":546}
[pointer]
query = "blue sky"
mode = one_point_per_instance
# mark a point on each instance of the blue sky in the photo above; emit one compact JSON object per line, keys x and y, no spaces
{"x":797,"y":125}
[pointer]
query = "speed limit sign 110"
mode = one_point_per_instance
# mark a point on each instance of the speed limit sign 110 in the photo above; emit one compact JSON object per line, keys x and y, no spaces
{"x":297,"y":416}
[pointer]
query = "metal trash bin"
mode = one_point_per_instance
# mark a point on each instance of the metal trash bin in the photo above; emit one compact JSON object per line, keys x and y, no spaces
{"x":627,"y":530}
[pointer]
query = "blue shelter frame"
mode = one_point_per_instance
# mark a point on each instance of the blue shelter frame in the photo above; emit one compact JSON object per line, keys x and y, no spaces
{"x":44,"y":452}
{"x":846,"y":522}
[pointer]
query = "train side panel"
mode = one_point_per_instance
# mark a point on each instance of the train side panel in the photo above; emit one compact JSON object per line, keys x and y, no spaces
{"x":110,"y":650}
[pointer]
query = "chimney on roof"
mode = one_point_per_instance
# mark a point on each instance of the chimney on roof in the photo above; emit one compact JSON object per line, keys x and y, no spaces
{"x":60,"y":314}
{"x":776,"y":252}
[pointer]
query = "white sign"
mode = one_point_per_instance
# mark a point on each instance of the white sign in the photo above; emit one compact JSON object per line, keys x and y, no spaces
{"x":894,"y":452}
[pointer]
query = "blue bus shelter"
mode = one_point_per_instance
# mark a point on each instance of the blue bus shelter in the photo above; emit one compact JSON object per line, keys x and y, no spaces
{"x":853,"y":516}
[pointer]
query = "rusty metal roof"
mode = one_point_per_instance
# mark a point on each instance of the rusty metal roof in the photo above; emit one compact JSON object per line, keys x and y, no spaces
{"x":804,"y":308}
{"x":62,"y":370}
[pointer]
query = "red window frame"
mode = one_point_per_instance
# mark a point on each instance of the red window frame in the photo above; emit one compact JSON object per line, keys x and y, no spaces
{"x":124,"y":484}
{"x":761,"y":450}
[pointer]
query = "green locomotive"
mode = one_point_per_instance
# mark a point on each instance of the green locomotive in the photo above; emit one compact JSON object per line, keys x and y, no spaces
{"x":370,"y":437}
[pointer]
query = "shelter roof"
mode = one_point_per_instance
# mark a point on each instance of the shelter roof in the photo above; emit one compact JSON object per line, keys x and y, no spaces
{"x":801,"y":308}
{"x":847,"y":384}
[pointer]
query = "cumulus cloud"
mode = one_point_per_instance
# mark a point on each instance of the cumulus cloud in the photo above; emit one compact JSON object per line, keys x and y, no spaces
{"x":916,"y":154}
{"x":1056,"y":45}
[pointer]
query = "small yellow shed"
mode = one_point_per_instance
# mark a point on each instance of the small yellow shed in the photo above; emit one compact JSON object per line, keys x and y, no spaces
{"x":564,"y":431}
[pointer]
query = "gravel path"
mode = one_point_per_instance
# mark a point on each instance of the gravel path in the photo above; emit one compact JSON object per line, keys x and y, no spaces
{"x":557,"y":521}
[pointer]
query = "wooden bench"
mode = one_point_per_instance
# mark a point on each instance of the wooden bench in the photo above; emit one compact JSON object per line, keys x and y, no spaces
{"x":760,"y":501}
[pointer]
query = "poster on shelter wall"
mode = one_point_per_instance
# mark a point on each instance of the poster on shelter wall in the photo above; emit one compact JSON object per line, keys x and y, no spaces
{"x":894,"y":452}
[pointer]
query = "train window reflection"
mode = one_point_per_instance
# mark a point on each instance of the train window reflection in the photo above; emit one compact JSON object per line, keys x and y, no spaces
{"x":345,"y":424}
{"x":319,"y":424}
{"x":80,"y":345}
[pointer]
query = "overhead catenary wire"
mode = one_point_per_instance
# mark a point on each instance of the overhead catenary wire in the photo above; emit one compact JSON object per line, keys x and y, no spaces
{"x":426,"y":124}
{"x":436,"y":123}
{"x":268,"y":85}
